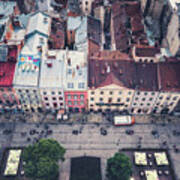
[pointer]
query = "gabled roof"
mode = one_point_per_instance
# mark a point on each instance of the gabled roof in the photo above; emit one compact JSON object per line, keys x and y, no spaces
{"x":111,"y":79}
{"x":38,"y":22}
{"x":106,"y":72}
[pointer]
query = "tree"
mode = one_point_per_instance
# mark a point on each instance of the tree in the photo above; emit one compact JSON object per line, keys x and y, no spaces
{"x":41,"y":159}
{"x":119,"y":167}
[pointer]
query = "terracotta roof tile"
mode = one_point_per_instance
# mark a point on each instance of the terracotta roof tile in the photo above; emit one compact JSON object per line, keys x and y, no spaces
{"x":146,"y":51}
{"x":169,"y":76}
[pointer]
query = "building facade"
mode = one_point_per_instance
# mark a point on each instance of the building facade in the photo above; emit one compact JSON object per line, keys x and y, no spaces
{"x":51,"y":81}
{"x":26,"y":79}
{"x":8,"y":97}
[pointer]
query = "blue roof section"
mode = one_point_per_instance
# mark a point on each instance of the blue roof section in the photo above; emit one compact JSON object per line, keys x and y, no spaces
{"x":7,"y":7}
{"x":23,"y":18}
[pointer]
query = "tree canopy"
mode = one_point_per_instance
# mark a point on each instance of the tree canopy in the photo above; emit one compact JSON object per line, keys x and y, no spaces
{"x":119,"y":167}
{"x":41,"y":159}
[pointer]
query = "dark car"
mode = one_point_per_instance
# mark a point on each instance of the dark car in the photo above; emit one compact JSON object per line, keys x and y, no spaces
{"x":7,"y":131}
{"x":176,"y":133}
{"x":103,"y":131}
{"x":129,"y":132}
{"x":75,"y":132}
{"x":32,"y":131}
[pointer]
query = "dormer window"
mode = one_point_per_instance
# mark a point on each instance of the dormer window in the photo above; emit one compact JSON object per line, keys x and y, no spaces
{"x":41,"y":40}
{"x":45,"y":20}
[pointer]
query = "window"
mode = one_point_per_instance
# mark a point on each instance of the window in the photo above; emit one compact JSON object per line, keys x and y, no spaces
{"x":141,"y":104}
{"x":127,"y":99}
{"x":86,"y":3}
{"x":69,"y":71}
{"x":148,"y":104}
{"x":46,"y":98}
{"x":92,"y":99}
{"x":60,"y":98}
{"x":55,"y":105}
{"x":168,"y":98}
{"x":75,"y":97}
{"x":145,"y":93}
{"x":92,"y":92}
{"x":81,"y":96}
{"x":69,"y":102}
{"x":41,"y":41}
{"x":70,"y":85}
{"x":101,"y":92}
{"x":82,"y":103}
{"x":118,"y":100}
{"x":138,"y":93}
{"x":150,"y":99}
{"x":136,"y":98}
{"x":110,"y":100}
{"x":47,"y":104}
{"x":59,"y":92}
{"x":120,"y":92}
{"x":45,"y":20}
{"x":34,"y":91}
{"x":61,"y":104}
{"x":69,"y":96}
{"x":174,"y":98}
{"x":3,"y":90}
{"x":152,"y":93}
{"x":52,"y":92}
{"x":75,"y":102}
{"x":157,"y":104}
{"x":44,"y":93}
{"x":54,"y":98}
{"x":91,"y":105}
{"x":27,"y":90}
{"x":110,"y":92}
{"x":129,"y":92}
{"x":135,"y":104}
{"x":161,"y":97}
{"x":81,"y":85}
{"x":18,"y":90}
{"x":80,"y":72}
{"x":143,"y":99}
{"x":171,"y":104}
{"x":100,"y":99}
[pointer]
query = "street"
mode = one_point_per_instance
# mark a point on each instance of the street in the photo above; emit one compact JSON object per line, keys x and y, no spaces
{"x":88,"y":141}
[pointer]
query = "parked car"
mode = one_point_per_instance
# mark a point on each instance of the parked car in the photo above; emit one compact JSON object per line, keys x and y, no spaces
{"x":129,"y":132}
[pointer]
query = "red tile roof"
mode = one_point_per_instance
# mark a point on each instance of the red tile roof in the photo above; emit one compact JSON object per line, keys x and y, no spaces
{"x":127,"y":17}
{"x":57,"y":36}
{"x":102,"y":73}
{"x":110,"y":55}
{"x":146,"y":51}
{"x":123,"y":73}
{"x":6,"y":73}
{"x":146,"y":76}
{"x":169,"y":76}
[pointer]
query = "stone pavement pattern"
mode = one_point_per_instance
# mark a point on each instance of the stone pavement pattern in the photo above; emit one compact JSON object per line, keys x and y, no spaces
{"x":91,"y":143}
